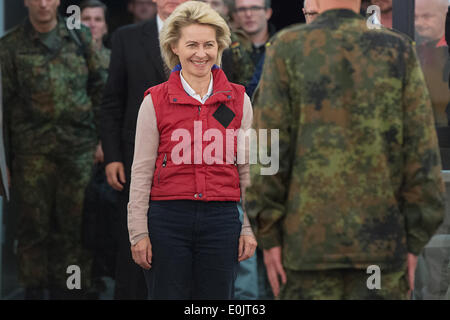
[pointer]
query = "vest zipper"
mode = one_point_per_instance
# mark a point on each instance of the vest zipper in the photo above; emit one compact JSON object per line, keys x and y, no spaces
{"x":163,"y":165}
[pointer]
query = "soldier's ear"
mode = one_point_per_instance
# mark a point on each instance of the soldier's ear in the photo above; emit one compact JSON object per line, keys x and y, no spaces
{"x":269,"y":12}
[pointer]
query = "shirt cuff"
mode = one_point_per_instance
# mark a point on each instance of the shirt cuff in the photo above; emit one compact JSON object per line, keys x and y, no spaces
{"x":137,"y":238}
{"x":269,"y":239}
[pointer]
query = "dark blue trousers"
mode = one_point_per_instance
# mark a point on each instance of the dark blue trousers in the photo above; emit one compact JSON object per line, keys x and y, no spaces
{"x":195,"y":250}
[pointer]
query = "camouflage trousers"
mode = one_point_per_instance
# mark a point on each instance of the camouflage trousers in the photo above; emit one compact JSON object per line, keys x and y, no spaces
{"x":48,"y":195}
{"x":345,"y":284}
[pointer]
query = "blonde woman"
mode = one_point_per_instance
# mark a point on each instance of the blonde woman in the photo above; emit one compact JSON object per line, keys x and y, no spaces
{"x":189,"y":238}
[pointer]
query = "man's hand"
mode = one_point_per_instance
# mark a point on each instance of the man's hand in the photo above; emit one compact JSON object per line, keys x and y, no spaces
{"x":247,"y":247}
{"x":142,"y":253}
{"x":272,"y":260}
{"x":115,"y":174}
{"x":412,"y":264}
{"x":99,"y":156}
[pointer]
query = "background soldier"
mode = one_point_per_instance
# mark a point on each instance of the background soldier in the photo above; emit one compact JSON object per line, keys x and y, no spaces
{"x":220,"y":6}
{"x":245,"y":57}
{"x":360,"y":181}
{"x":93,"y":15}
{"x":52,"y":81}
{"x":142,"y":10}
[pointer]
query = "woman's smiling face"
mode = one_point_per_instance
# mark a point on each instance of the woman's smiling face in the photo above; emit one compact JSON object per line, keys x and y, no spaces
{"x":197,"y":50}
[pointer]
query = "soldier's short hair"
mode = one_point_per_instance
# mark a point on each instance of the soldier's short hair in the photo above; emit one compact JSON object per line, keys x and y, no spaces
{"x":93,"y":4}
{"x":186,"y":14}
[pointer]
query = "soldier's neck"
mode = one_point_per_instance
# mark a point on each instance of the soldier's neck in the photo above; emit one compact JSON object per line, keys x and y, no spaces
{"x":325,"y":5}
{"x":44,"y":27}
{"x":260,"y":38}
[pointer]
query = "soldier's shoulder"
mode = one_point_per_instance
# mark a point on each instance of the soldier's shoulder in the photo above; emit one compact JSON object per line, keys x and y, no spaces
{"x":400,"y":35}
{"x":387,"y":37}
{"x":288,"y":35}
{"x":12,"y":36}
{"x":239,"y":39}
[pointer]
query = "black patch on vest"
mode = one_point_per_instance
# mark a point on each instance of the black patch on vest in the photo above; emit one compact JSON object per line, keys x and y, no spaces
{"x":224,"y":115}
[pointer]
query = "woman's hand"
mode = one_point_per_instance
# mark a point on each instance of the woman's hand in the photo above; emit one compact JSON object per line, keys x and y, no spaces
{"x":142,"y":253}
{"x":247,"y":247}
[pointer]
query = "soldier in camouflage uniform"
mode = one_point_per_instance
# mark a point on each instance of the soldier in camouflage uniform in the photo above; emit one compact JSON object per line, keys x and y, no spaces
{"x":248,"y":44}
{"x":359,"y":179}
{"x":53,"y":83}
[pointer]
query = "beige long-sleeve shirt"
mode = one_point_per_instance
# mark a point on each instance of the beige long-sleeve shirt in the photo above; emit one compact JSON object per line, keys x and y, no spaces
{"x":145,"y":154}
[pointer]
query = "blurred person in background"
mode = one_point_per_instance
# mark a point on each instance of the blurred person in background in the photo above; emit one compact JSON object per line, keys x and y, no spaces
{"x":242,"y":63}
{"x":100,"y":206}
{"x":432,"y":277}
{"x":136,"y":65}
{"x":433,"y":54}
{"x":142,"y":10}
{"x":245,"y":57}
{"x":430,"y":21}
{"x":93,"y":15}
{"x":52,"y":85}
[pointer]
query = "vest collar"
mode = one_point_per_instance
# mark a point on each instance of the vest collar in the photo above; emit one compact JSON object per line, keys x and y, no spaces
{"x":222,"y":90}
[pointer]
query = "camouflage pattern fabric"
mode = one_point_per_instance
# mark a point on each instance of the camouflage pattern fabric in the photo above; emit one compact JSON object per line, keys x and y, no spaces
{"x":51,"y":94}
{"x":52,"y":89}
{"x":243,"y":66}
{"x":48,"y":193}
{"x":359,"y":181}
{"x":344,"y":284}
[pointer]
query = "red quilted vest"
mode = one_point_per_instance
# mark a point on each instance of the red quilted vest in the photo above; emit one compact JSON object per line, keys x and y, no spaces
{"x":213,"y":177}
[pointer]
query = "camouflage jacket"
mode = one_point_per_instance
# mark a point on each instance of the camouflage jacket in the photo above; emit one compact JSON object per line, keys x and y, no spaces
{"x":51,"y":94}
{"x":239,"y":65}
{"x":359,"y":179}
{"x":105,"y":57}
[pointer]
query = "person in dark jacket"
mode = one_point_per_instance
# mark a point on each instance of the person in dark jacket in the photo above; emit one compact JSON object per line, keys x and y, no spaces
{"x":136,"y":64}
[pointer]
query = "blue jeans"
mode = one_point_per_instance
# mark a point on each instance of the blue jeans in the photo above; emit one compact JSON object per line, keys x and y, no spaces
{"x":195,"y":249}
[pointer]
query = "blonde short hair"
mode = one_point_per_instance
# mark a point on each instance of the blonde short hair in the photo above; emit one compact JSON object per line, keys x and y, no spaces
{"x":186,"y":14}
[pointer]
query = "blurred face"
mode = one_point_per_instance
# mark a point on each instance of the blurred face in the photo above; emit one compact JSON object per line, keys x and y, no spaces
{"x":219,"y":6}
{"x":166,"y":7}
{"x":252,"y":15}
{"x":197,"y":50}
{"x":142,"y":10}
{"x":94,"y":18}
{"x":385,"y":5}
{"x":311,"y":11}
{"x":42,"y":11}
{"x":430,"y":19}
